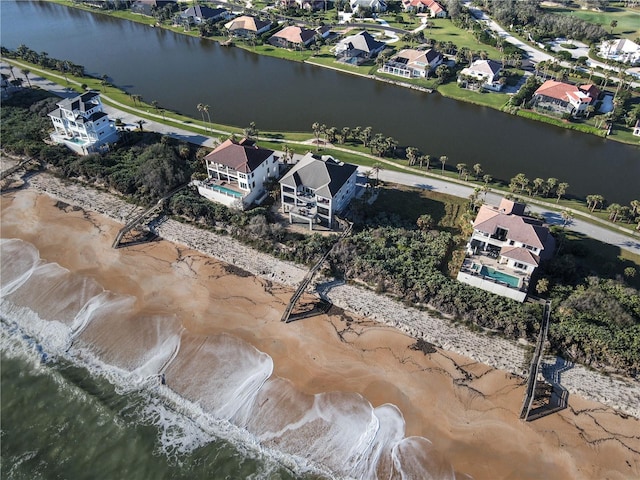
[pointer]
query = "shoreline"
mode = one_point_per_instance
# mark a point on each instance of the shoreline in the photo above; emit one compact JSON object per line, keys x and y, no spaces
{"x":493,"y":351}
{"x":469,"y":411}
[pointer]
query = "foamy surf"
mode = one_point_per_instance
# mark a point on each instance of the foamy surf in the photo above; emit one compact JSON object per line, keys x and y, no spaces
{"x":199,"y":389}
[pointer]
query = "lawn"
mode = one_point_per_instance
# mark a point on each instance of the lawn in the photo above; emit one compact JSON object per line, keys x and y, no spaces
{"x":444,"y":30}
{"x":628,"y":19}
{"x":489,"y":99}
{"x":410,"y":203}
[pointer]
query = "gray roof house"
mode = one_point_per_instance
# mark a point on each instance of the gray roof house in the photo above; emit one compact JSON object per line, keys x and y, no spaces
{"x":358,"y":48}
{"x":199,"y":14}
{"x":316,"y":188}
{"x":375,"y":5}
{"x":81,"y":124}
{"x":505,"y":249}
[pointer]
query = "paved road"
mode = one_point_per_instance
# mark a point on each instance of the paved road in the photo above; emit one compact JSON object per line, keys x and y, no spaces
{"x":209,"y":139}
{"x":619,"y":239}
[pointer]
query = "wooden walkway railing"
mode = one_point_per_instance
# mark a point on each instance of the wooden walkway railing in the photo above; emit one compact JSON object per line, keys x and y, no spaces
{"x":535,"y":363}
{"x":140,"y":218}
{"x":309,"y":276}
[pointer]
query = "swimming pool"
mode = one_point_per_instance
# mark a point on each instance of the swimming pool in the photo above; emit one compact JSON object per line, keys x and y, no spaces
{"x":225,"y":190}
{"x":500,"y":276}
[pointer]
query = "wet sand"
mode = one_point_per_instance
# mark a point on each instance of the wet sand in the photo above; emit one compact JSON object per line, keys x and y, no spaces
{"x":468,"y":410}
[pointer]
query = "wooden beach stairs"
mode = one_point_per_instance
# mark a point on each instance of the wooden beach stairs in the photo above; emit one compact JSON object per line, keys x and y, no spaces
{"x":136,"y":221}
{"x":15,"y":168}
{"x":287,"y":315}
{"x":534,"y":368}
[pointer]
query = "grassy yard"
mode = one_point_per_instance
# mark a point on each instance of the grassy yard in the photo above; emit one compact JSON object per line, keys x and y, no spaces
{"x":410,"y":203}
{"x":628,"y":19}
{"x":489,"y":99}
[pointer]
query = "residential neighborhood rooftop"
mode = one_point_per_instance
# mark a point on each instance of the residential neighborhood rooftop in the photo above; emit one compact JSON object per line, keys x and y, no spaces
{"x":243,"y":156}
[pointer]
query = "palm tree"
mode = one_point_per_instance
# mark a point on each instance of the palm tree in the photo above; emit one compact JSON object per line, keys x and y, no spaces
{"x":562,"y":189}
{"x":154,"y":103}
{"x":376,"y":169}
{"x":635,"y":207}
{"x":205,"y":108}
{"x":443,"y":161}
{"x":316,"y":132}
{"x":567,"y":216}
{"x":140,"y":123}
{"x":614,"y":211}
{"x":461,"y":167}
{"x":477,"y":170}
{"x":12,"y":73}
{"x":345,"y":134}
{"x":365,"y":135}
{"x":26,"y":72}
{"x":136,"y":98}
{"x":486,"y":179}
{"x":550,"y":186}
{"x":613,"y":24}
{"x":200,"y":108}
{"x":104,"y":80}
{"x":412,"y":155}
{"x":598,"y":200}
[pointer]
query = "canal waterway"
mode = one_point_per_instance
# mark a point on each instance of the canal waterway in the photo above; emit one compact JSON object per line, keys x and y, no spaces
{"x":240,"y":87}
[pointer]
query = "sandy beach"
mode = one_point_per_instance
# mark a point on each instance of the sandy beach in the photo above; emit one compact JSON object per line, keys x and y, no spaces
{"x":464,"y":397}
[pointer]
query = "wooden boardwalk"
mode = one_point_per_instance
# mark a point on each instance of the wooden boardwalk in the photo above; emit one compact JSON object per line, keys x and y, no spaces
{"x":534,"y":368}
{"x":15,"y":168}
{"x":287,"y":315}
{"x":136,"y":221}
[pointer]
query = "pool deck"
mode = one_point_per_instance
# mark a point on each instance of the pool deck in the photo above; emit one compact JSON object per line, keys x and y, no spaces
{"x":470,"y":266}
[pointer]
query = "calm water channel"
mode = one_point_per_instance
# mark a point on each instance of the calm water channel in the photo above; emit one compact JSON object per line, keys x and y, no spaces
{"x":180,"y":72}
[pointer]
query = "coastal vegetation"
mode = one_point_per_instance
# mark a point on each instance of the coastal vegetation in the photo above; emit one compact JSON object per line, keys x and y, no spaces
{"x":408,"y":243}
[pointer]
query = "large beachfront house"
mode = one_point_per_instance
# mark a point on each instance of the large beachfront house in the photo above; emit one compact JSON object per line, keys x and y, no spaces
{"x":559,"y":97}
{"x":237,"y":172}
{"x":411,"y":63}
{"x":317,"y":188}
{"x":358,"y":48}
{"x":81,"y":124}
{"x":293,"y":36}
{"x":505,"y":249}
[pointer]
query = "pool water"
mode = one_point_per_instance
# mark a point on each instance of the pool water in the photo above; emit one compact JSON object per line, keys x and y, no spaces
{"x":500,"y":277}
{"x":226,"y":190}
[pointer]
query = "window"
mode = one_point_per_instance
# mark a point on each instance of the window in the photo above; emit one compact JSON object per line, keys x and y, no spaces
{"x":520,"y":265}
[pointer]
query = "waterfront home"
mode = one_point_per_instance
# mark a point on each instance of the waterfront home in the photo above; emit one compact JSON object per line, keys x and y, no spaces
{"x":560,"y":98}
{"x":199,"y":14}
{"x":237,"y":172}
{"x":434,"y":8}
{"x":317,"y":188}
{"x":82,"y":125}
{"x":358,"y":48}
{"x":293,"y":37}
{"x":621,"y":50}
{"x":411,"y":63}
{"x":375,"y":6}
{"x":505,"y":249}
{"x":149,"y":7}
{"x":309,"y":5}
{"x":247,"y":26}
{"x":481,"y":72}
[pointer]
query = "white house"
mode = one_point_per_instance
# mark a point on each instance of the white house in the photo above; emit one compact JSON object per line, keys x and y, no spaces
{"x":621,"y":50}
{"x":505,"y":249}
{"x":410,"y":63}
{"x":377,"y":6}
{"x":485,"y":72}
{"x":237,"y":172}
{"x":81,"y":124}
{"x":316,"y":188}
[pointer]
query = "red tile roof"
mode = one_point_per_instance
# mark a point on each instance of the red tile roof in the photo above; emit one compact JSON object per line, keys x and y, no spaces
{"x":242,"y":156}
